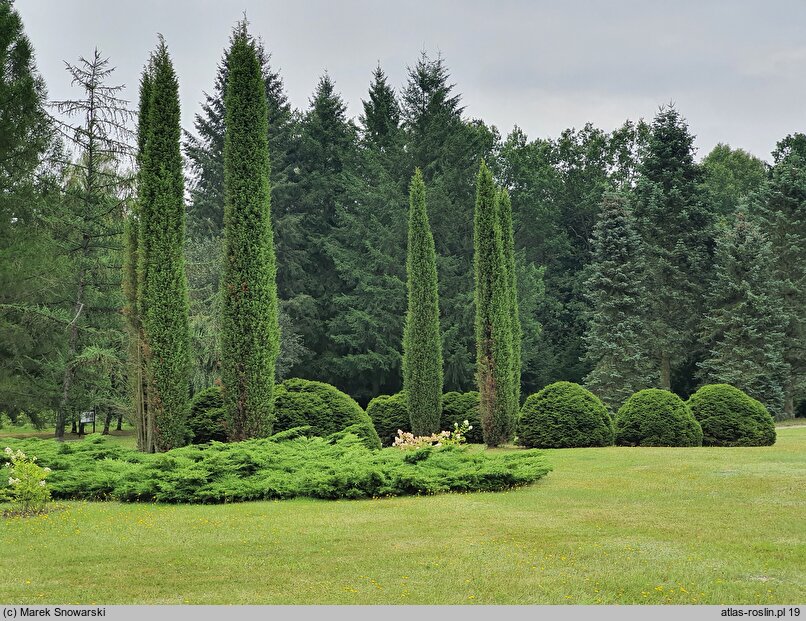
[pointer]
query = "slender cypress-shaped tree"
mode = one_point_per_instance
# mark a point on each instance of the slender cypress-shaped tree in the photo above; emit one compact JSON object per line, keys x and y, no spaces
{"x":744,"y":328}
{"x":164,"y":299}
{"x":508,"y":240}
{"x":250,"y":334}
{"x":422,"y":342}
{"x":493,"y":328}
{"x":134,"y":268}
{"x":616,"y":338}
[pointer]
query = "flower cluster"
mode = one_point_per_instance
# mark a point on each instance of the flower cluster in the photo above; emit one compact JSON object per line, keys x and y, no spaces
{"x":406,"y":440}
{"x":26,"y":482}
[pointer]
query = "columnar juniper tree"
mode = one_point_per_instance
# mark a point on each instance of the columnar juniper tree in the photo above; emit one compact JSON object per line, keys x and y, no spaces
{"x":616,"y":338}
{"x":508,"y":241}
{"x":743,"y":331}
{"x":250,"y":334}
{"x":132,"y":279}
{"x":493,"y":328}
{"x":422,"y":342}
{"x":164,"y":298}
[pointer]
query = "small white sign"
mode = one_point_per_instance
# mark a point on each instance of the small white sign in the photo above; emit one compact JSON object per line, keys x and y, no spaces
{"x":88,"y":417}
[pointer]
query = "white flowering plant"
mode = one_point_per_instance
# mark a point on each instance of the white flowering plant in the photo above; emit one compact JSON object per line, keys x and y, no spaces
{"x":26,"y":487}
{"x":406,"y":440}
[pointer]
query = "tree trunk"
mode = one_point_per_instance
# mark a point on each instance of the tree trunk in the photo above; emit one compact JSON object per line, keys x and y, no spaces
{"x":107,"y":422}
{"x":72,"y":349}
{"x":665,"y":371}
{"x":120,"y":422}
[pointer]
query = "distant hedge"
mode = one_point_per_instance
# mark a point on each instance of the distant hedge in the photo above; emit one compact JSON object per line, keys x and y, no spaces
{"x":730,"y":417}
{"x":206,"y":417}
{"x":388,"y":414}
{"x":300,"y":402}
{"x":286,"y":465}
{"x":458,"y":407}
{"x":654,"y":417}
{"x":564,"y":415}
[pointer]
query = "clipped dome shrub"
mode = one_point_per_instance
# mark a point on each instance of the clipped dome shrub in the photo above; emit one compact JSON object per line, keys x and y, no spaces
{"x":206,"y":416}
{"x":654,"y":417}
{"x":564,"y":415}
{"x":300,"y":402}
{"x":388,"y":414}
{"x":730,"y":417}
{"x":462,"y":406}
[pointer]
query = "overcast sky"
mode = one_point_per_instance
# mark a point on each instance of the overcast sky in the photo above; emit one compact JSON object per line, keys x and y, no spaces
{"x":736,"y":69}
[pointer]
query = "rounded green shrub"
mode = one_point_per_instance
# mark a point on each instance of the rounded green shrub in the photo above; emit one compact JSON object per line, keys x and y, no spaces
{"x":462,"y":406}
{"x":327,"y":410}
{"x":730,"y":417}
{"x":388,"y":414}
{"x":564,"y":415}
{"x":206,"y":417}
{"x":654,"y":417}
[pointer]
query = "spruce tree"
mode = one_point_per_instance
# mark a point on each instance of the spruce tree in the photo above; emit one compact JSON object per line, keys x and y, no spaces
{"x":616,"y":338}
{"x":250,"y":338}
{"x":743,"y":331}
{"x":164,"y":298}
{"x":677,"y":231}
{"x":508,"y":240}
{"x":493,"y":327}
{"x":422,"y":341}
{"x":368,"y":249}
{"x":781,"y":206}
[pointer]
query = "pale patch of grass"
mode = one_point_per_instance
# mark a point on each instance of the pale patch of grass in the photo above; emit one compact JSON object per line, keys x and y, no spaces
{"x":608,"y":525}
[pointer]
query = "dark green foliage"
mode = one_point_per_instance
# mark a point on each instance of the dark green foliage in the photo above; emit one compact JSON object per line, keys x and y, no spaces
{"x":422,"y":343}
{"x":493,"y":325}
{"x":33,"y":272}
{"x":458,"y":407}
{"x":564,"y":415}
{"x":319,"y":182}
{"x":250,"y":334}
{"x":323,"y":407}
{"x":508,"y":246}
{"x":781,"y":206}
{"x":654,"y":417}
{"x":618,"y":326}
{"x":676,"y":228}
{"x":24,"y":127}
{"x":389,"y":413}
{"x":729,"y":417}
{"x":164,"y":299}
{"x":368,"y":249}
{"x":743,"y":330}
{"x":286,"y":465}
{"x":207,"y":420}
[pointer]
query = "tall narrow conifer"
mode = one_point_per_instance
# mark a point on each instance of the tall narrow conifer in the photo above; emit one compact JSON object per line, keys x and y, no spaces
{"x":422,"y":341}
{"x":493,"y":327}
{"x":250,"y":334}
{"x":508,"y":241}
{"x":164,"y":299}
{"x":134,"y":268}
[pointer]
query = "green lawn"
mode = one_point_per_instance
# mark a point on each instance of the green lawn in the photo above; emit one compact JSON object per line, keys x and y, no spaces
{"x":611,"y":525}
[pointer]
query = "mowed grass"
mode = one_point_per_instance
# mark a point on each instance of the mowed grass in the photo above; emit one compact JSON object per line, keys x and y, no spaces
{"x":610,"y":525}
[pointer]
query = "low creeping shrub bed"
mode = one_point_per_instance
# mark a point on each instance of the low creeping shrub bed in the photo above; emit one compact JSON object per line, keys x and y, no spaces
{"x":286,"y":465}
